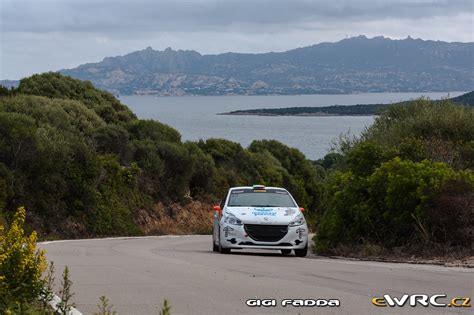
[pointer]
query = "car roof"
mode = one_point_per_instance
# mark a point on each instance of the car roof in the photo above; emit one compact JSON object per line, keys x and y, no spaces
{"x":251,"y":187}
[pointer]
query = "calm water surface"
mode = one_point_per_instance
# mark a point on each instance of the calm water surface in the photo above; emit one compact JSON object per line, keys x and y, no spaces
{"x":195,"y":117}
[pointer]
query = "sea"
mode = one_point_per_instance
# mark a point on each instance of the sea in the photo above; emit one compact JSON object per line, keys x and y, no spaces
{"x":196,"y":117}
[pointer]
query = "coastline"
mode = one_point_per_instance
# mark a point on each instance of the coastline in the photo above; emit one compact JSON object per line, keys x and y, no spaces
{"x":294,"y":115}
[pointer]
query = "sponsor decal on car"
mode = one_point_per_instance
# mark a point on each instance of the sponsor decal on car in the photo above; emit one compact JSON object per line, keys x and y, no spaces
{"x":228,"y":231}
{"x":263,"y":211}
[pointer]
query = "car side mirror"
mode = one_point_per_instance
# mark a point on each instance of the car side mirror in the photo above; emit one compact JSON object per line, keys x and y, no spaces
{"x":302,"y":209}
{"x":218,"y":209}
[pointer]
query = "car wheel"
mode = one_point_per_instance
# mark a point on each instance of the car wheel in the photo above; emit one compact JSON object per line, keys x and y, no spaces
{"x":301,"y":252}
{"x":215,"y":248}
{"x":222,"y":250}
{"x":286,"y":251}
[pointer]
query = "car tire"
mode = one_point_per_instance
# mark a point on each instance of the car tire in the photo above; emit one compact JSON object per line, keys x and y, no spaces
{"x":286,"y":251}
{"x":301,"y":252}
{"x":215,"y":248}
{"x":222,"y":250}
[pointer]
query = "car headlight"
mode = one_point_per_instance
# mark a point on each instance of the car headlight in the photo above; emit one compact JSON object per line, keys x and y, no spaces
{"x":232,"y":219}
{"x":299,"y":220}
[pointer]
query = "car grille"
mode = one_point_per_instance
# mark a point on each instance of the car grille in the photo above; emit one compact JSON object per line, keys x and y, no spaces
{"x":269,"y":245}
{"x":266,"y":233}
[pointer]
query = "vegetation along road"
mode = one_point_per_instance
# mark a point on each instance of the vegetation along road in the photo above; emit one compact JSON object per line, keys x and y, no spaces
{"x":136,"y":274}
{"x":83,"y":165}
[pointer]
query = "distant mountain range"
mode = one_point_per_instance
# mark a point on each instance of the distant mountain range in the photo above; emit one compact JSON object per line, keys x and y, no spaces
{"x":352,"y":65}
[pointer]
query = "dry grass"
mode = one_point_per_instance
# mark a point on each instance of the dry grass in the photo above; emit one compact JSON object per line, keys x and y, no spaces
{"x":193,"y":218}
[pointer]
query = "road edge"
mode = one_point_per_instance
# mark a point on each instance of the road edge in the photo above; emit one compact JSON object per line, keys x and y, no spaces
{"x":311,"y":254}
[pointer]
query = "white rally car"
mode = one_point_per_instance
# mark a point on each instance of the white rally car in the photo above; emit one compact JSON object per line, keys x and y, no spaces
{"x":259,"y":217}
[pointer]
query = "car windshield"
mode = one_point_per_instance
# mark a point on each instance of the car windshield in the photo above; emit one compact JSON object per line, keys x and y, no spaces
{"x":260,"y":198}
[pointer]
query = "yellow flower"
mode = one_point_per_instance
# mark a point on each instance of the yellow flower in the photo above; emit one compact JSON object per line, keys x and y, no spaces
{"x":21,"y":263}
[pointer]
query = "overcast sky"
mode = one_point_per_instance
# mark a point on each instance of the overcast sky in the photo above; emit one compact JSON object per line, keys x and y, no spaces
{"x":43,"y":35}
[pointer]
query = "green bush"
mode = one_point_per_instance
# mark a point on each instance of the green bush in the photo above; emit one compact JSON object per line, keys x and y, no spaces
{"x":18,"y":142}
{"x":204,"y":173}
{"x":439,"y":130}
{"x":407,"y":180}
{"x":68,"y":116}
{"x":174,"y":184}
{"x":152,"y":130}
{"x":55,"y":85}
{"x":116,"y":195}
{"x":300,"y":177}
{"x":402,"y":192}
{"x":114,"y":139}
{"x":343,"y":204}
{"x":391,"y":207}
{"x":365,"y":157}
{"x":266,"y":162}
{"x":423,"y":119}
{"x":330,"y":160}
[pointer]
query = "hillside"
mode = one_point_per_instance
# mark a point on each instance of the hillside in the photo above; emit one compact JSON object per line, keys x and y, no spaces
{"x":466,"y":99}
{"x":357,"y":64}
{"x":83,"y":165}
{"x":338,"y":110}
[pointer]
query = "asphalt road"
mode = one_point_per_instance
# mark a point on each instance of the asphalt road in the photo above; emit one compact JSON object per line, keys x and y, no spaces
{"x":136,"y":274}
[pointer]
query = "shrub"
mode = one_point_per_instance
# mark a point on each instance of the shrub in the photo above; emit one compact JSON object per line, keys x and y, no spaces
{"x":55,"y":85}
{"x":105,"y":308}
{"x":405,"y":181}
{"x":152,"y":130}
{"x":449,"y":213}
{"x":21,"y":265}
{"x":114,"y":139}
{"x":166,"y":308}
{"x":365,"y":157}
{"x":18,"y":144}
{"x":299,"y":174}
{"x":401,"y":192}
{"x":47,"y":293}
{"x":343,"y":204}
{"x":393,"y":206}
{"x":204,"y":173}
{"x":65,"y":294}
{"x":174,"y":184}
{"x":441,"y":129}
{"x":330,"y":160}
{"x":116,"y":198}
{"x":65,"y":115}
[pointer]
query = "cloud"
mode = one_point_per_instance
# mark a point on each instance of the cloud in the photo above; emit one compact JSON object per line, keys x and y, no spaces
{"x":204,"y":15}
{"x":44,"y":35}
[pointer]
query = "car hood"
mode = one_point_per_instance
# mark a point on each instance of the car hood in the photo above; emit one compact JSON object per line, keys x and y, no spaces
{"x":264,"y":215}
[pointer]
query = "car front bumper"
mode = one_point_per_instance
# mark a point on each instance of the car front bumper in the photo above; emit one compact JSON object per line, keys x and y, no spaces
{"x":235,"y":236}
